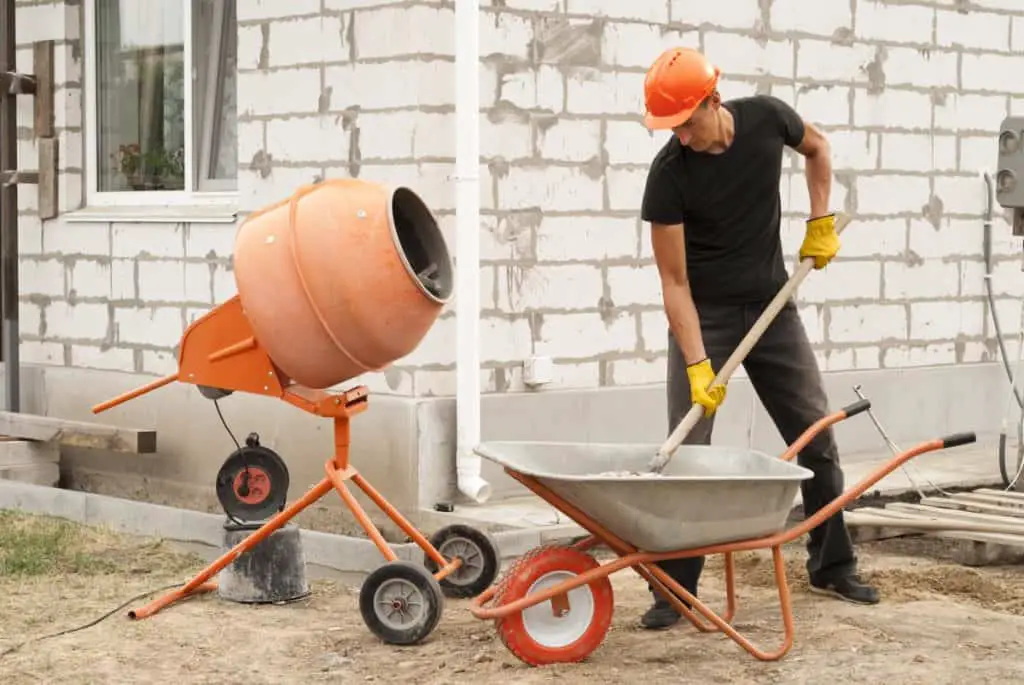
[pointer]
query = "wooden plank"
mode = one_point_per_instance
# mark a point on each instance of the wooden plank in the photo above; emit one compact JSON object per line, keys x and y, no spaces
{"x":957,"y":515}
{"x":14,"y":83}
{"x":941,"y":521}
{"x":983,"y":550}
{"x":862,"y":531}
{"x":77,"y":433}
{"x":28,"y":453}
{"x":894,"y":514}
{"x":980,"y":498}
{"x":974,"y":548}
{"x":1009,"y":494}
{"x":46,"y":191}
{"x":948,"y":503}
{"x":970,"y":548}
{"x":42,"y":70}
{"x":1008,"y":539}
{"x":14,"y":177}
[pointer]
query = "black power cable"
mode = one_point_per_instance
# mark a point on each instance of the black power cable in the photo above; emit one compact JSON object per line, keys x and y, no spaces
{"x":245,"y":480}
{"x":216,"y":403}
{"x":90,"y":624}
{"x":96,"y":621}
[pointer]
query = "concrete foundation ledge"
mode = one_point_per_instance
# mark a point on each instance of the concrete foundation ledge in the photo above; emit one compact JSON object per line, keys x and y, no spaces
{"x":337,"y":552}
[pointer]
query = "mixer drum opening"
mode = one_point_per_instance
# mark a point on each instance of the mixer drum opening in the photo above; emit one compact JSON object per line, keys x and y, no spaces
{"x":342,"y":278}
{"x":421,"y":244}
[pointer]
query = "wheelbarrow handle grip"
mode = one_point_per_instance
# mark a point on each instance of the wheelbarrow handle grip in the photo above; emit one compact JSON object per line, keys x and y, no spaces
{"x":958,"y":439}
{"x":858,"y":407}
{"x":674,"y":440}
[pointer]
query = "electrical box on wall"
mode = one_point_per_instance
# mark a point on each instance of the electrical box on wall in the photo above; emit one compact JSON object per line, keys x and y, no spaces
{"x":1010,"y":170}
{"x":538,"y":371}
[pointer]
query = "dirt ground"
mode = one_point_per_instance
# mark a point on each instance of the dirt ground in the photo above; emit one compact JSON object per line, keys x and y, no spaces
{"x":939,"y":623}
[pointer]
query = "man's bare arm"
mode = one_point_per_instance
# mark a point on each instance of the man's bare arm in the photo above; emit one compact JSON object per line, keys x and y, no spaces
{"x":815,"y":148}
{"x":669,"y":249}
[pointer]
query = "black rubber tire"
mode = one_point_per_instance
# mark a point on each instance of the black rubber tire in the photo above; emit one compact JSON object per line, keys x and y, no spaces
{"x":485,"y":557}
{"x":430,"y":596}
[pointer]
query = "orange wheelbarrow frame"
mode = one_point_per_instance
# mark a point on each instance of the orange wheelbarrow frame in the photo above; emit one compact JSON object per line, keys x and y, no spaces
{"x":507,"y":614}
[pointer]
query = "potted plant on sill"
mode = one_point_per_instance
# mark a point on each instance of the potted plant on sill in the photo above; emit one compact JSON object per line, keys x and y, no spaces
{"x":154,"y":169}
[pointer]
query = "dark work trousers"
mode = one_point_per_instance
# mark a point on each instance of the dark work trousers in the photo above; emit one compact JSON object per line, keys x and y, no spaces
{"x":784,"y":373}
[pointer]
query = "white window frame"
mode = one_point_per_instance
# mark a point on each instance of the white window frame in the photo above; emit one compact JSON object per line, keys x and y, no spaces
{"x":221,"y":199}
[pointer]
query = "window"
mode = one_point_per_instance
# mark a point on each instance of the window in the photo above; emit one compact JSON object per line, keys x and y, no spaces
{"x":160,"y":101}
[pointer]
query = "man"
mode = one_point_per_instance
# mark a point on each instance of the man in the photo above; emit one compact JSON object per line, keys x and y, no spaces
{"x":712,"y":200}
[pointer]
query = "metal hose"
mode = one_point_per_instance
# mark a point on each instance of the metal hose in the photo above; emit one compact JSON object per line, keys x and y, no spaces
{"x":987,"y":249}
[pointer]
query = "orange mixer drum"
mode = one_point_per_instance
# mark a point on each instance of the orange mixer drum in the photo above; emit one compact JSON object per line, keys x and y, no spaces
{"x":344,"y":277}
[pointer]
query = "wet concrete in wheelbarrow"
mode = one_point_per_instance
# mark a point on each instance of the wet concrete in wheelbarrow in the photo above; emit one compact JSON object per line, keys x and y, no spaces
{"x":938,"y":623}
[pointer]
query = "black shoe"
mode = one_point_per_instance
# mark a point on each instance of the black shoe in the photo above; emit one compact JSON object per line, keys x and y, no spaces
{"x":849,"y":589}
{"x":661,"y":615}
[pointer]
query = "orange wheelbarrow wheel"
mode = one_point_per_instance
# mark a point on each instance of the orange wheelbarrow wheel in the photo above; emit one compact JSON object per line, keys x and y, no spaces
{"x":565,"y":628}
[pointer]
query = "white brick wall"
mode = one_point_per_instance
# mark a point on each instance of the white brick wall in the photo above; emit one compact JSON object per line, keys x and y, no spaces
{"x":909,"y":93}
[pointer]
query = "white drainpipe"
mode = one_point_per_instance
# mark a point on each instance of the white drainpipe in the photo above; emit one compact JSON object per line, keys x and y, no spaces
{"x":467,"y":249}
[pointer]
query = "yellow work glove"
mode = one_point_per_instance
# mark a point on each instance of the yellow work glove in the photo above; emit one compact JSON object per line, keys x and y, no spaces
{"x":701,"y":375}
{"x":821,"y":240}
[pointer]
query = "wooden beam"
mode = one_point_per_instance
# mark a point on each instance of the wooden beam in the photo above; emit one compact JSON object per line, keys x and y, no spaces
{"x":1007,"y":494}
{"x":77,"y":433}
{"x":47,"y":188}
{"x":42,"y":71}
{"x":984,"y":498}
{"x":10,"y":177}
{"x":13,"y":83}
{"x":929,"y":520}
{"x":955,"y":505}
{"x":969,"y":547}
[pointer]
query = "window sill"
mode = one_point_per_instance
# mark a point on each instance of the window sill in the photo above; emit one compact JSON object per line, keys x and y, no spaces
{"x":164,"y":214}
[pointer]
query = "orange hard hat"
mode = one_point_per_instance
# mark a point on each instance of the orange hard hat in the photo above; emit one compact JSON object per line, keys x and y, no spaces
{"x":675,"y":85}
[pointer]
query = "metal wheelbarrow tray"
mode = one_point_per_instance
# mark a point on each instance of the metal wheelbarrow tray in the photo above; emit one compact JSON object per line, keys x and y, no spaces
{"x":706,"y":495}
{"x":555,"y":603}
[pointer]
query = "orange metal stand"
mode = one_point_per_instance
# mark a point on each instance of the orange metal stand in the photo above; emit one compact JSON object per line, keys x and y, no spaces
{"x":220,"y":351}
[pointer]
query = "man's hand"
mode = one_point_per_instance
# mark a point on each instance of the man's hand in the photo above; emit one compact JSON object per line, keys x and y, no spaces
{"x":821,"y":240}
{"x":702,"y":392}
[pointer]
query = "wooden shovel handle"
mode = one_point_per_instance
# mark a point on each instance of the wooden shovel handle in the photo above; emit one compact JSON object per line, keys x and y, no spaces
{"x":664,"y":454}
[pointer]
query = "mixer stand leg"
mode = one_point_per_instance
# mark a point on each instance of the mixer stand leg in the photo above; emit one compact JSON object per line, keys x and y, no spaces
{"x":338,"y":472}
{"x":220,"y":354}
{"x":338,"y":479}
{"x":201,"y":582}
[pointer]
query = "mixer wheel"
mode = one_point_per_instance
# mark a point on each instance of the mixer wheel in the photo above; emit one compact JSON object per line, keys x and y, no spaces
{"x":562,"y":629}
{"x":479,"y":557}
{"x":401,"y":603}
{"x":252,"y":484}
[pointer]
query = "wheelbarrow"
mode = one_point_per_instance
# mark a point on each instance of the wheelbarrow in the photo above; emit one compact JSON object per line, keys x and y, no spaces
{"x":555,"y":603}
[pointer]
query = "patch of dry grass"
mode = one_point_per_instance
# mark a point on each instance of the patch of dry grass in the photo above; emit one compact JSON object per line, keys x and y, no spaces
{"x":66,"y":562}
{"x":34,"y":546}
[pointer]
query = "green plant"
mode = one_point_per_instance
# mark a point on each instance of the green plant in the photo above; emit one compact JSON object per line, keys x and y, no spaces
{"x":154,"y":168}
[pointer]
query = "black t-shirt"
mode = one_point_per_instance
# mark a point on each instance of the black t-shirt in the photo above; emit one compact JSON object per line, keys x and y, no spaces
{"x":729,"y":203}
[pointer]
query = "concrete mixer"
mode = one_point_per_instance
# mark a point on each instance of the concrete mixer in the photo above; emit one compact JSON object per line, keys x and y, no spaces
{"x":342,"y":278}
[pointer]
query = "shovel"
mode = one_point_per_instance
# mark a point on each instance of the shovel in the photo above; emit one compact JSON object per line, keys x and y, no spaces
{"x":662,"y":457}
